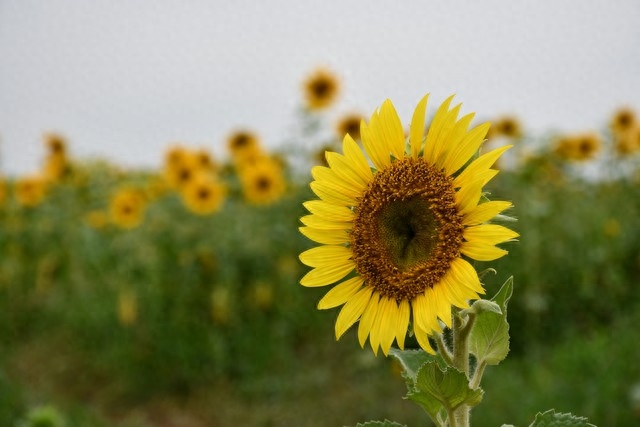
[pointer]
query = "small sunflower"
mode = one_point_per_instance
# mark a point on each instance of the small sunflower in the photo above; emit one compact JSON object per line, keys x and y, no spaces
{"x":30,"y":190}
{"x":55,"y":143}
{"x":179,"y":172}
{"x":628,"y":142}
{"x":349,"y":124}
{"x":509,"y":127}
{"x":241,"y":141}
{"x":263,"y":183}
{"x":127,"y":208}
{"x":204,"y":195}
{"x":623,"y":119}
{"x":3,"y":190}
{"x":578,"y":147}
{"x":321,"y":88}
{"x":397,"y":236}
{"x":127,"y":307}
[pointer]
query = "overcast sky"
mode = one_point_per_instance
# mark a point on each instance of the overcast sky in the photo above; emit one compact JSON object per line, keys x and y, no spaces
{"x":122,"y":80}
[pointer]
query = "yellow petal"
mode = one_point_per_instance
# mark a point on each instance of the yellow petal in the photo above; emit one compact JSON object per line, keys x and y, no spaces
{"x":491,"y":234}
{"x":460,"y":154}
{"x":341,"y":293}
{"x":434,"y":131}
{"x":422,"y":337}
{"x":453,"y":138}
{"x":388,"y":319}
{"x":329,"y":194}
{"x":463,"y":273}
{"x":402,"y":322}
{"x":482,"y":251}
{"x":457,"y":293}
{"x":356,"y":158}
{"x":367,"y":319}
{"x":424,"y":315}
{"x":468,"y":196}
{"x":441,"y":306}
{"x":342,"y":168}
{"x":326,"y":237}
{"x":326,"y":275}
{"x":442,"y":142}
{"x":485,"y":211}
{"x":417,"y":127}
{"x":352,"y":310}
{"x":325,"y":255}
{"x":329,"y":177}
{"x":329,"y":212}
{"x":480,"y":164}
{"x":372,"y":145}
{"x":389,"y":128}
{"x":320,"y":223}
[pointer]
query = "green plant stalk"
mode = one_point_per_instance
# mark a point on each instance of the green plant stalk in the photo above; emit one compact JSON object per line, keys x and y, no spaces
{"x":461,"y":329}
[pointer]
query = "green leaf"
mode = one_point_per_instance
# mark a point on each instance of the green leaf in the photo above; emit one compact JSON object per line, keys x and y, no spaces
{"x":449,"y":387}
{"x":481,"y":306}
{"x":411,"y":361}
{"x":489,"y":338}
{"x":385,"y":423}
{"x":551,"y":418}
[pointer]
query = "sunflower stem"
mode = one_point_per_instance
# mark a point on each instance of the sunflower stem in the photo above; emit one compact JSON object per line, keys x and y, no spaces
{"x":444,"y":350}
{"x":461,"y":330}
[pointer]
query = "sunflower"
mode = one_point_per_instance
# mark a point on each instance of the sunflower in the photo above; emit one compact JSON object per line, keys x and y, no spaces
{"x":623,"y":119}
{"x":181,"y":170}
{"x":3,"y":190}
{"x":321,"y":88}
{"x":127,"y":307}
{"x":55,"y":143}
{"x":127,"y":208}
{"x":242,"y":140}
{"x":204,"y":194}
{"x":579,"y":147}
{"x":263,"y":183}
{"x":509,"y":127}
{"x":349,"y":124}
{"x":30,"y":190}
{"x":398,"y":236}
{"x":628,"y":142}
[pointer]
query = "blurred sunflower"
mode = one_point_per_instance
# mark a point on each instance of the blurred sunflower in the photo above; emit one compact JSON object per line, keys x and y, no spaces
{"x":55,"y":144}
{"x":127,"y":208}
{"x":204,"y":194}
{"x":579,"y":147}
{"x":321,"y":88}
{"x":56,"y":163}
{"x":221,"y":305}
{"x":30,"y":190}
{"x":320,"y":156}
{"x":263,"y":183}
{"x":628,"y":142}
{"x":623,"y":119}
{"x":205,"y":160}
{"x":349,"y":124}
{"x":508,"y":126}
{"x":181,"y":171}
{"x":400,"y":233}
{"x":97,"y":219}
{"x":241,"y":141}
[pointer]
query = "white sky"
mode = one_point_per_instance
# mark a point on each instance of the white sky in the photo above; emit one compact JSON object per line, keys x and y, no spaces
{"x":122,"y":80}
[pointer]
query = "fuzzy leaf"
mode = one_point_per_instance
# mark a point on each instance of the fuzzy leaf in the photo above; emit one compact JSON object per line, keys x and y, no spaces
{"x":489,"y":338}
{"x":411,"y":361}
{"x":449,"y":387}
{"x":481,"y":306}
{"x":551,"y":418}
{"x":385,"y":423}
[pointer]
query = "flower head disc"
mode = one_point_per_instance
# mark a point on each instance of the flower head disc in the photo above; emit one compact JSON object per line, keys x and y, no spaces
{"x":396,"y":235}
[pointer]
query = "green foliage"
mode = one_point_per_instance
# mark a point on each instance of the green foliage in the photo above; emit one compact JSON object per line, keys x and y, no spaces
{"x":552,"y":418}
{"x":385,"y":423}
{"x":489,"y":338}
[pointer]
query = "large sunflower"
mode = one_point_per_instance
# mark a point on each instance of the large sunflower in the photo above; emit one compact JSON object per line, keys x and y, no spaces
{"x":398,"y":236}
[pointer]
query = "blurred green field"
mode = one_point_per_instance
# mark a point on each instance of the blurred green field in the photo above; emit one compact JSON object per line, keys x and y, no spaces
{"x":198,"y":320}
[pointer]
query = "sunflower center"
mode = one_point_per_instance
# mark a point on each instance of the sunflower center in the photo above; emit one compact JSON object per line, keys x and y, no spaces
{"x":407,"y":229}
{"x":263,"y":183}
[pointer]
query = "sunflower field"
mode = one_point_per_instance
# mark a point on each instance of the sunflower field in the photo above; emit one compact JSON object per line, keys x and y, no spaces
{"x":171,"y":296}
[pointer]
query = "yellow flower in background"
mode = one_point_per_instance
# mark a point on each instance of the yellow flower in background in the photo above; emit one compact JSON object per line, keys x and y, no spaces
{"x":242,"y":141}
{"x":395,"y":236}
{"x":55,"y":144}
{"x":623,"y":119}
{"x":181,"y":171}
{"x":204,"y":194}
{"x":627,"y":142}
{"x":579,"y":147}
{"x":320,"y":156}
{"x":30,"y":191}
{"x":261,"y":295}
{"x":507,"y":126}
{"x":349,"y":124}
{"x":127,"y":307}
{"x":127,"y":208}
{"x":321,"y":89}
{"x":263,"y":183}
{"x":205,"y":160}
{"x":174,"y":156}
